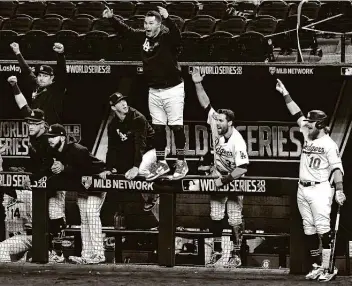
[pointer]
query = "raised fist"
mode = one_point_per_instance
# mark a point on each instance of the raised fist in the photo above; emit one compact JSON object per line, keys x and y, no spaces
{"x":108,"y":13}
{"x":58,"y":47}
{"x":163,"y":12}
{"x":12,"y":80}
{"x":196,"y":76}
{"x":281,"y":88}
{"x":15,"y":47}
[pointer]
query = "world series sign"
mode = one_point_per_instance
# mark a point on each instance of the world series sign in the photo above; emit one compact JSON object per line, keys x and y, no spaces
{"x":13,"y":180}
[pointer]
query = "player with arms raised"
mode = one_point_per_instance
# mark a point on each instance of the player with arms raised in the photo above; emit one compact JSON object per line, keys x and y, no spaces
{"x":320,"y":160}
{"x":231,"y":162}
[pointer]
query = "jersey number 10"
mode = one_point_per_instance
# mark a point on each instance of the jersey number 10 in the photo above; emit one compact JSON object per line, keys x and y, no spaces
{"x":314,"y":162}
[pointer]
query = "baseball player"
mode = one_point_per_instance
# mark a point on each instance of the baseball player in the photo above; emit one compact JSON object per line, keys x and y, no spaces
{"x":40,"y":166}
{"x":47,"y":91}
{"x":72,"y":160}
{"x":231,"y":160}
{"x":130,"y":137}
{"x":320,"y":160}
{"x":159,"y":51}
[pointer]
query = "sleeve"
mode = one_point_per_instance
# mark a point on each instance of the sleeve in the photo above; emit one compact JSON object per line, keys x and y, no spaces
{"x":174,"y":32}
{"x":111,"y":152}
{"x":61,"y":72}
{"x":25,"y":69}
{"x":241,"y":156}
{"x":140,"y":140}
{"x":334,"y":158}
{"x":211,"y":114}
{"x":121,"y":28}
{"x":26,"y":111}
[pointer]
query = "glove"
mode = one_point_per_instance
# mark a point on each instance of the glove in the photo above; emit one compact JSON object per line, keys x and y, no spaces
{"x":340,"y":197}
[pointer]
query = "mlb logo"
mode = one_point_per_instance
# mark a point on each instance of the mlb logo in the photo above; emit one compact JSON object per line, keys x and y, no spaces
{"x":87,"y":181}
{"x":272,"y":70}
{"x":74,"y":131}
{"x":139,"y":70}
{"x":189,"y":185}
{"x":347,"y":71}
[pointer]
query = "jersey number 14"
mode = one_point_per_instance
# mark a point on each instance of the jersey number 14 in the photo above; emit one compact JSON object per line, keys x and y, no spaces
{"x":314,"y":162}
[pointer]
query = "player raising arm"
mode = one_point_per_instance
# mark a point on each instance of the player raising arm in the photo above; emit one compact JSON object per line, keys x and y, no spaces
{"x":231,"y":160}
{"x":320,"y":160}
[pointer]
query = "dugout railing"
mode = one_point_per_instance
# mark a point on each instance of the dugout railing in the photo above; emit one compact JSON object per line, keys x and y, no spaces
{"x":167,"y":228}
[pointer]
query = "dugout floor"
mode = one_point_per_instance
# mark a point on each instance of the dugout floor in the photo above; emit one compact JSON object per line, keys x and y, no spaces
{"x":118,"y":275}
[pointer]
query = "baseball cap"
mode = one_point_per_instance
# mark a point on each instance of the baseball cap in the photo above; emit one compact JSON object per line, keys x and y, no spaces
{"x":316,"y":115}
{"x":116,"y":98}
{"x":36,"y":116}
{"x":46,"y":70}
{"x":56,"y":130}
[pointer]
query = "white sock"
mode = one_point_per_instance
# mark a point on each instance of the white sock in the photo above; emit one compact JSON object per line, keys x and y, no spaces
{"x":326,"y":258}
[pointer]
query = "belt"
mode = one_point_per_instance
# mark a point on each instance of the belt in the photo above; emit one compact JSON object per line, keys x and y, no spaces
{"x":308,"y":183}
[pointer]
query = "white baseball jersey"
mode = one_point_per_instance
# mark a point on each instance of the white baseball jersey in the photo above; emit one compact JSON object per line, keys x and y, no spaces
{"x":18,"y":212}
{"x":319,"y":157}
{"x":228,"y":153}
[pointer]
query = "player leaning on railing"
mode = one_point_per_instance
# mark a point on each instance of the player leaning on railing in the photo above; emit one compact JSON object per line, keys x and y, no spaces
{"x":159,"y":51}
{"x":47,"y":89}
{"x":230,"y":163}
{"x":320,"y":160}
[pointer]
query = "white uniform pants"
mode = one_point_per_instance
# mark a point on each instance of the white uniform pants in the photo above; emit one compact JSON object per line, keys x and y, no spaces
{"x":91,"y":228}
{"x":14,"y":246}
{"x":314,"y":204}
{"x":234,"y":206}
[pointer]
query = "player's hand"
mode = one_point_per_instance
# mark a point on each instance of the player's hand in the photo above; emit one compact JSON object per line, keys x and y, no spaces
{"x":12,"y":80}
{"x":58,"y":48}
{"x":196,"y":76}
{"x":3,"y":148}
{"x":16,"y":48}
{"x":132,"y":173}
{"x":104,"y":174}
{"x":281,"y":88}
{"x":163,"y":12}
{"x":108,"y":13}
{"x":340,"y":197}
{"x":218,"y":183}
{"x":57,"y":167}
{"x":27,"y":183}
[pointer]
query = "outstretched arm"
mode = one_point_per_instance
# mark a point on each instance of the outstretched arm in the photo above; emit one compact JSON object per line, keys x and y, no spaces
{"x":61,"y":72}
{"x":19,"y":97}
{"x":201,"y":94}
{"x":174,"y":32}
{"x":292,"y":107}
{"x":26,"y":70}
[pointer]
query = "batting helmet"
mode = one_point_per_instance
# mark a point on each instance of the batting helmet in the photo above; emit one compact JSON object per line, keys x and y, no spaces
{"x":317,"y":116}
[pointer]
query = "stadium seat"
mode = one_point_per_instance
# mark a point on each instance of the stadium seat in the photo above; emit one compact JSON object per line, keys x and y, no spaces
{"x":123,"y":8}
{"x":143,"y":7}
{"x":70,"y":40}
{"x":235,"y":25}
{"x":136,"y":21}
{"x":18,"y":23}
{"x":94,"y":8}
{"x":1,"y":21}
{"x":114,"y":48}
{"x":6,"y":38}
{"x":276,"y":8}
{"x":49,"y":23}
{"x":80,"y":24}
{"x":37,"y":45}
{"x":202,"y":24}
{"x":190,"y":43}
{"x":310,"y":9}
{"x":103,"y":25}
{"x":33,"y":9}
{"x":265,"y":25}
{"x":183,"y":9}
{"x":131,"y":47}
{"x":216,"y":9}
{"x":253,"y":47}
{"x":63,"y":8}
{"x":248,"y":9}
{"x":93,"y":45}
{"x":7,"y":8}
{"x":218,"y":46}
{"x":178,"y":21}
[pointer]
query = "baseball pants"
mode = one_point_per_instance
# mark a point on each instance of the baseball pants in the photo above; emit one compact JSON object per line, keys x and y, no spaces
{"x":57,"y":205}
{"x":234,"y":206}
{"x":166,"y":105}
{"x":13,"y":248}
{"x":148,"y":159}
{"x":314,"y":204}
{"x":91,"y":228}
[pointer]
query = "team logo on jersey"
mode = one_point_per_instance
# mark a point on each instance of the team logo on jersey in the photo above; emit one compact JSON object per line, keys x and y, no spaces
{"x":272,"y":70}
{"x":87,"y":181}
{"x":74,"y":131}
{"x":243,"y":156}
{"x":123,"y":137}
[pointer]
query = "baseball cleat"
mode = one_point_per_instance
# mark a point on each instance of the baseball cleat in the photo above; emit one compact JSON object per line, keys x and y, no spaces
{"x":77,"y":260}
{"x":158,"y":169}
{"x":215,"y":257}
{"x":95,"y":259}
{"x":181,"y":170}
{"x":233,"y":262}
{"x":315,"y":272}
{"x":326,"y":276}
{"x":54,"y":258}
